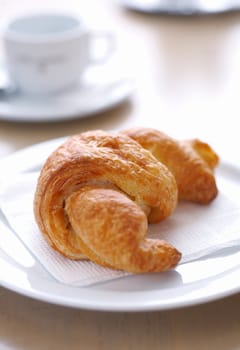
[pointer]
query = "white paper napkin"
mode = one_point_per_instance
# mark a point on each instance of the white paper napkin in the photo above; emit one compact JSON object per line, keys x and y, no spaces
{"x":194,"y":229}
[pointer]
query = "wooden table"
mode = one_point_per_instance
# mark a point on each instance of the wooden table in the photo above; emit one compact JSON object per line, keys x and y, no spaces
{"x":187,"y":77}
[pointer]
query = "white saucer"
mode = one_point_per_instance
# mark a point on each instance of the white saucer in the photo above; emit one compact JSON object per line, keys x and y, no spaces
{"x":188,"y":7}
{"x":98,"y":90}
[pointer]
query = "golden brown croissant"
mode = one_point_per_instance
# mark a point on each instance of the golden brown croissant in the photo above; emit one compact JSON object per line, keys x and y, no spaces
{"x":191,"y":162}
{"x":94,"y":196}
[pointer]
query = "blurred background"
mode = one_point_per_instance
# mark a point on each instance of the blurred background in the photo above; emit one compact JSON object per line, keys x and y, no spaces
{"x":185,"y":68}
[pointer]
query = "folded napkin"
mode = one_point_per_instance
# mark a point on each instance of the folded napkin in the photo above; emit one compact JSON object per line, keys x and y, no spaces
{"x":195,"y":230}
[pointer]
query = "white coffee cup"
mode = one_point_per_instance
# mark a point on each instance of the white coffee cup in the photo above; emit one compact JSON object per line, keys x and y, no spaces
{"x":46,"y":53}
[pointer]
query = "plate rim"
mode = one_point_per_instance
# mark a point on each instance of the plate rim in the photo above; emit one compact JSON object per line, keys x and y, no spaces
{"x":95,"y":303}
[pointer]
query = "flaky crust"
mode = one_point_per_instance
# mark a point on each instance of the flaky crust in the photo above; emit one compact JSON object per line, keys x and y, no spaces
{"x":94,"y":197}
{"x":192,"y":162}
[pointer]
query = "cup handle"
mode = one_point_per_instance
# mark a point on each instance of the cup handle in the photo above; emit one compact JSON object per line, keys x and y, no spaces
{"x":103,"y":42}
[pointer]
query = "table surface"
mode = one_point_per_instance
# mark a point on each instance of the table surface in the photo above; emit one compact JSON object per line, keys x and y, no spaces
{"x":187,"y":77}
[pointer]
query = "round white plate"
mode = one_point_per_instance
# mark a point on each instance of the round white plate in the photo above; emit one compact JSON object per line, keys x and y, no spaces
{"x":192,"y":283}
{"x":176,"y":7}
{"x":101,"y":88}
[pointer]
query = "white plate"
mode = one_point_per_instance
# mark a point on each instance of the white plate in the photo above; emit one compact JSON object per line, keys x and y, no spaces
{"x":189,"y":7}
{"x":102,"y":87}
{"x":190,"y":284}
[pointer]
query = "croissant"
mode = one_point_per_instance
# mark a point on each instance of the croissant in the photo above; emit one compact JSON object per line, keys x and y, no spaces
{"x":192,"y":162}
{"x":95,"y":196}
